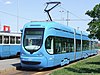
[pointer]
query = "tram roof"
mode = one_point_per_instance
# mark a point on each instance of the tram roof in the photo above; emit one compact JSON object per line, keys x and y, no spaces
{"x":9,"y":33}
{"x":49,"y":24}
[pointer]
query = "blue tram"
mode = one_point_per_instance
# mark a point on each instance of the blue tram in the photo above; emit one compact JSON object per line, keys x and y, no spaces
{"x":48,"y":44}
{"x":9,"y":44}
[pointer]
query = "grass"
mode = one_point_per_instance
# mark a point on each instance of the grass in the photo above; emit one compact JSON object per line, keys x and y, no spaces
{"x":89,"y":66}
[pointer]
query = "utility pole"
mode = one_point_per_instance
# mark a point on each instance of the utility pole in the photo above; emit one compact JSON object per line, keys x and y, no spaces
{"x":67,"y":17}
{"x":0,"y":24}
{"x":17,"y":15}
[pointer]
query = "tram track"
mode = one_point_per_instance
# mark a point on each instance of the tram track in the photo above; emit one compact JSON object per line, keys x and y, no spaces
{"x":28,"y":71}
{"x":11,"y":57}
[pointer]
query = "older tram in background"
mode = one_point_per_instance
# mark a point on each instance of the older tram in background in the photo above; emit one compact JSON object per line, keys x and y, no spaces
{"x":9,"y":44}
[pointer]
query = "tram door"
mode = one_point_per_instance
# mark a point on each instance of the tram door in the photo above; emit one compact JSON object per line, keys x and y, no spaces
{"x":50,"y":50}
{"x":57,"y":51}
{"x":53,"y":47}
{"x":49,"y":45}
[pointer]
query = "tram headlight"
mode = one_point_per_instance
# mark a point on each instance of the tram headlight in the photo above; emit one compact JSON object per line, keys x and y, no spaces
{"x":22,"y":54}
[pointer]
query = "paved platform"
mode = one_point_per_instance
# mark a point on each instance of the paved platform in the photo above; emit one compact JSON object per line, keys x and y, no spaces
{"x":9,"y":65}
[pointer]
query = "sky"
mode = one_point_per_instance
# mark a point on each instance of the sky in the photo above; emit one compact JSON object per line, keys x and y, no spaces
{"x":15,"y":13}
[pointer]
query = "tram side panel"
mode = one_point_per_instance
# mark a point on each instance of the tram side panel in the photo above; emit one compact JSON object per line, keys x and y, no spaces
{"x":5,"y":50}
{"x":59,"y":52}
{"x":0,"y":50}
{"x":14,"y":50}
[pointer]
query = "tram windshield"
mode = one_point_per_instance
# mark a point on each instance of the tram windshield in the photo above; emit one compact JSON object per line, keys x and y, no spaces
{"x":33,"y":39}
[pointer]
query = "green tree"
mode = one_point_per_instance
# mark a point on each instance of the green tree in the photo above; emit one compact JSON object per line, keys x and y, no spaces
{"x":94,"y":24}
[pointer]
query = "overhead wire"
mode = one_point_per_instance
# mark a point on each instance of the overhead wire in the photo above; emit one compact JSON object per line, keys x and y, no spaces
{"x":67,"y":11}
{"x":14,"y":15}
{"x":79,"y":19}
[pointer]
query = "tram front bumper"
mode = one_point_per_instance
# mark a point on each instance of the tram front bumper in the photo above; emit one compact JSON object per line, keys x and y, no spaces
{"x":36,"y":62}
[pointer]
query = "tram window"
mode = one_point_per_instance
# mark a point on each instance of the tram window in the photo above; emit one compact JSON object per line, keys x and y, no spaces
{"x":95,"y":45}
{"x":92,"y":45}
{"x":71,"y":48}
{"x":0,"y":39}
{"x":48,"y":43}
{"x":18,"y":40}
{"x":64,"y":45}
{"x":57,"y":49}
{"x":78,"y":45}
{"x":70,"y":45}
{"x":6,"y":39}
{"x":12,"y":40}
{"x":61,"y":45}
{"x":85,"y":45}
